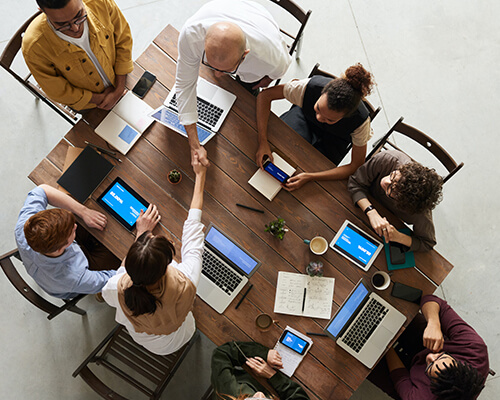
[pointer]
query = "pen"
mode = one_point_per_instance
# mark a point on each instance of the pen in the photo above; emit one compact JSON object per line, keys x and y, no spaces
{"x":316,"y":334}
{"x":105,"y":151}
{"x":304,"y":300}
{"x":250,"y":208}
{"x":243,"y":297}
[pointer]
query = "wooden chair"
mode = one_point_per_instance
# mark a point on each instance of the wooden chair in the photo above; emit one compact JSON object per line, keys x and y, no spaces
{"x":317,"y":71}
{"x":122,"y":356}
{"x":7,"y":58}
{"x":424,"y":140}
{"x":33,"y":297}
{"x":301,"y":16}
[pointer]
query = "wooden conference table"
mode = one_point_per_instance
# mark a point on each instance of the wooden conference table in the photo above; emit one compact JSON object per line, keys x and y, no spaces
{"x":327,"y":372}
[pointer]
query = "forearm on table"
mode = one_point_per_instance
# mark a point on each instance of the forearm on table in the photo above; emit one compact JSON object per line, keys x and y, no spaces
{"x":59,"y":199}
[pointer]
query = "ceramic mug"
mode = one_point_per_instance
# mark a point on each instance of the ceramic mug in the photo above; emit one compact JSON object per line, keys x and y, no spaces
{"x":381,"y":280}
{"x":264,"y":322}
{"x":318,"y":245}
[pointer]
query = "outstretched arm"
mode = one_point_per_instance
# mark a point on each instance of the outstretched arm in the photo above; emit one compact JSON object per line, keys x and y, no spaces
{"x":199,"y":183}
{"x":92,"y":218}
{"x":263,"y":110}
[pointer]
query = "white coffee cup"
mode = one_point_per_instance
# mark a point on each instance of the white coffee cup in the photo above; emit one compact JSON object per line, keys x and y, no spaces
{"x":381,"y":280}
{"x":318,"y":245}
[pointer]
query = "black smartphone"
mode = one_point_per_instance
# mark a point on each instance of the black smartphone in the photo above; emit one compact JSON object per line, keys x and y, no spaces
{"x":405,"y":292}
{"x":144,"y":84}
{"x":397,"y":252}
{"x":294,"y":342}
{"x":275,"y":172}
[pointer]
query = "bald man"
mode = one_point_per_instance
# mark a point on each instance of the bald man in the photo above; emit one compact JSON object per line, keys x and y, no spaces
{"x":235,"y":37}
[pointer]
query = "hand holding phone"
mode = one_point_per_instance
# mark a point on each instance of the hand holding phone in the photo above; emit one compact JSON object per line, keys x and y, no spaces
{"x":275,"y":172}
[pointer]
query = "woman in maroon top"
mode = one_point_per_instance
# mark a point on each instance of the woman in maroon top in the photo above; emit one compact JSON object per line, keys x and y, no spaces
{"x":450,"y":363}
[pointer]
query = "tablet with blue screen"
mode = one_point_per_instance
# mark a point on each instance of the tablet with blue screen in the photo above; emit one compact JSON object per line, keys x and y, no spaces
{"x":356,"y":245}
{"x":123,"y":203}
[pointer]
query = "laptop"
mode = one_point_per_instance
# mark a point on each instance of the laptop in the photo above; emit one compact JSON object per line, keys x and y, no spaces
{"x":213,"y":102}
{"x":365,"y":324}
{"x":226,"y":269}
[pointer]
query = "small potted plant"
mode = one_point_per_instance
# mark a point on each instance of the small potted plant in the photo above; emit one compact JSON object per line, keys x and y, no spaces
{"x":277,"y":228}
{"x":174,"y":177}
{"x":315,"y":268}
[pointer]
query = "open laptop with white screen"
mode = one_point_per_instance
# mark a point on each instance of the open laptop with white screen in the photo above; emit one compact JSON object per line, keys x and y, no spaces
{"x":365,"y":324}
{"x":226,"y":269}
{"x":356,"y":245}
{"x":213,"y":105}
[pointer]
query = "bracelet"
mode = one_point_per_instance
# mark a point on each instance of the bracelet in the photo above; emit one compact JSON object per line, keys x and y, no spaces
{"x":368,"y":209}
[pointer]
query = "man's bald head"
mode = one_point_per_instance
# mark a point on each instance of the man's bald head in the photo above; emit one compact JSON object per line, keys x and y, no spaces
{"x":225,"y":44}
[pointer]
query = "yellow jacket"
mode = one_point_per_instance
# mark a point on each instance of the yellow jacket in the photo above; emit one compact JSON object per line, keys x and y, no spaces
{"x":63,"y":70}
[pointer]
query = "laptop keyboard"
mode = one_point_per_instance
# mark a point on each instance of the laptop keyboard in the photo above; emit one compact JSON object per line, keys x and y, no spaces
{"x":208,"y":113}
{"x":365,"y":325}
{"x":219,"y":273}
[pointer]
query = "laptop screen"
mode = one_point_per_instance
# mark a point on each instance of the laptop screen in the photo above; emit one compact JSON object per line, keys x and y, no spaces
{"x":231,"y":251}
{"x":356,"y":245}
{"x":346,"y":311}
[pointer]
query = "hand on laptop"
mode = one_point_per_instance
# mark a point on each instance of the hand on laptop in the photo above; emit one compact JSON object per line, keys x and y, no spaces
{"x":147,"y":220}
{"x":94,"y":219}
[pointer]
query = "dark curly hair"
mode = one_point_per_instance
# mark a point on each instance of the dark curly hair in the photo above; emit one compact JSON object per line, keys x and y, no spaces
{"x":146,"y":262}
{"x":457,"y":381}
{"x":418,"y":189}
{"x":344,"y":94}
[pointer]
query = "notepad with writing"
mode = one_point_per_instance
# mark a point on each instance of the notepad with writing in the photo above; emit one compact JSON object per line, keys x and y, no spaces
{"x":304,"y":295}
{"x":265,"y":183}
{"x":126,"y":122}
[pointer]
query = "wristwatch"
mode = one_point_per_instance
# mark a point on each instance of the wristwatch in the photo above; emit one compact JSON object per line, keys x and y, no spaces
{"x":368,"y":209}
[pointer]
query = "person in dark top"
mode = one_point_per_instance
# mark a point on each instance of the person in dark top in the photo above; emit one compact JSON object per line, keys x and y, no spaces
{"x":440,"y":357}
{"x":232,"y":382}
{"x":328,"y":113}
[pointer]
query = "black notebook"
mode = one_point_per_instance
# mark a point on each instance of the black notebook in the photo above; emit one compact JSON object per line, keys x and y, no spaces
{"x":85,"y":174}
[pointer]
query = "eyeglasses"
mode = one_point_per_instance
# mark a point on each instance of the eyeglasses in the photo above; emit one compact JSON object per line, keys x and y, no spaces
{"x":392,"y":178}
{"x":78,"y":21}
{"x":428,"y":368}
{"x":206,"y":64}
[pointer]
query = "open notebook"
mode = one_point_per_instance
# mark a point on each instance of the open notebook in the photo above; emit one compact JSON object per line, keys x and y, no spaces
{"x":126,"y":122}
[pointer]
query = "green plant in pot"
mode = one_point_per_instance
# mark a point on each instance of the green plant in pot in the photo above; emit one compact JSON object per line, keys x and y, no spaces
{"x":277,"y":228}
{"x":174,"y":177}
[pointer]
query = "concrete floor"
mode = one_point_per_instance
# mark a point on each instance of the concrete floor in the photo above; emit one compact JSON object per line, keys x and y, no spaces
{"x":431,"y":61}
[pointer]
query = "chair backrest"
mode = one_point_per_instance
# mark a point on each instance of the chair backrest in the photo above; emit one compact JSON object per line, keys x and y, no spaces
{"x":300,"y":15}
{"x":124,"y":357}
{"x":29,"y":294}
{"x":7,"y":58}
{"x":424,"y":140}
{"x":371,"y":110}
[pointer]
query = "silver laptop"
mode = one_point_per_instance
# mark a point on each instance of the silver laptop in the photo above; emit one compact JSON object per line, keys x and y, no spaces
{"x":226,"y":269}
{"x":213,"y":103}
{"x":365,"y":324}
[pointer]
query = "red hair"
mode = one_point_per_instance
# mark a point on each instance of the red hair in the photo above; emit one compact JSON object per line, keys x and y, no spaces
{"x":48,"y":230}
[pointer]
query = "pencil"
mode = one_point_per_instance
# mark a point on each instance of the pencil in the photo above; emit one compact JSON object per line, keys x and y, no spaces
{"x":304,"y":300}
{"x":316,"y":334}
{"x":243,"y":297}
{"x":250,"y":208}
{"x":105,"y":151}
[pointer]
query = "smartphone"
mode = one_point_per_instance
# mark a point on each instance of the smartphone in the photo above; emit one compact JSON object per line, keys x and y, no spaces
{"x":397,"y":253}
{"x":275,"y":172}
{"x":405,"y":292}
{"x":294,"y":342}
{"x":144,"y":84}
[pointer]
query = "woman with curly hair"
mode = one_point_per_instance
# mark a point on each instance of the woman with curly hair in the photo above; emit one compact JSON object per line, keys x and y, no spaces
{"x":328,"y":113}
{"x":408,"y":189}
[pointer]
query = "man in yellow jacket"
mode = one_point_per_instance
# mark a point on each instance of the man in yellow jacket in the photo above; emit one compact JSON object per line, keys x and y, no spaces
{"x":79,"y":52}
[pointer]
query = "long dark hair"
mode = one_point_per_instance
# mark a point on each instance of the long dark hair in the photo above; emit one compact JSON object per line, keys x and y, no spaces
{"x":344,"y":94}
{"x":146,"y":262}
